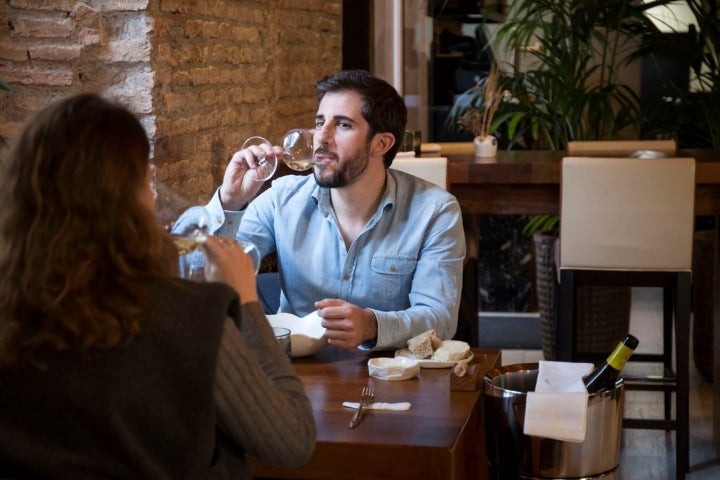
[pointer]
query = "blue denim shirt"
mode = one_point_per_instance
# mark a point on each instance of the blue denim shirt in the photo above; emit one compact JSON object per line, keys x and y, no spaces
{"x":405,"y":266}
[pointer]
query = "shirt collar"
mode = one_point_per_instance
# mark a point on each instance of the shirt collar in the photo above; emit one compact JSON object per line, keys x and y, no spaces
{"x":321,"y":196}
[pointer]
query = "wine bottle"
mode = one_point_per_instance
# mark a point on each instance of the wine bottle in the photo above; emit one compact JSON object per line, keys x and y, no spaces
{"x":606,"y":374}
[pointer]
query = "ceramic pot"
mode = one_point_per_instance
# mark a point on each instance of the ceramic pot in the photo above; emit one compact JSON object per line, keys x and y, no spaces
{"x":485,"y":146}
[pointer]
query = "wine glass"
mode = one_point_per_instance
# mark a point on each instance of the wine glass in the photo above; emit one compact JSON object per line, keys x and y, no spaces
{"x":266,"y":162}
{"x":188,"y":223}
{"x":298,"y":152}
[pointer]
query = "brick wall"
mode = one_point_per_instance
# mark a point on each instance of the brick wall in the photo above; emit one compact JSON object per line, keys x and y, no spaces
{"x":203,"y":75}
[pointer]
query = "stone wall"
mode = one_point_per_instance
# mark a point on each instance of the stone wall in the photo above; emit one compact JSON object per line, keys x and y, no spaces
{"x":202,"y":75}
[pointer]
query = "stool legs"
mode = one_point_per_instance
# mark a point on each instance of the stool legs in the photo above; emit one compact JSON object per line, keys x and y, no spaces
{"x":676,"y":313}
{"x":682,"y":355}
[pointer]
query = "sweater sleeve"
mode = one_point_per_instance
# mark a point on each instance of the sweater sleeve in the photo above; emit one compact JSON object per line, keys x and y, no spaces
{"x":260,"y":400}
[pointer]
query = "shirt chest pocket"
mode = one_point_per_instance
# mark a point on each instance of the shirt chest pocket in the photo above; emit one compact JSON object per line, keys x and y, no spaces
{"x":392,"y":278}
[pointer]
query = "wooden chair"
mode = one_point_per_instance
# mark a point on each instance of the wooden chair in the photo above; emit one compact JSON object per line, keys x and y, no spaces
{"x":629,"y":222}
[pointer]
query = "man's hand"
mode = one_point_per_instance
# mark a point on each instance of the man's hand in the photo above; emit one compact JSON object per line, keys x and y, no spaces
{"x":347,"y":325}
{"x":241,"y":183}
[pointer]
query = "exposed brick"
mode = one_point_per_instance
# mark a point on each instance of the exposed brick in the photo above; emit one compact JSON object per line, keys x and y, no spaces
{"x":85,"y":15}
{"x":123,"y":5}
{"x":55,"y":52}
{"x":90,"y":36}
{"x":64,"y":5}
{"x":39,"y":77}
{"x":201,"y":82}
{"x":43,"y":27}
{"x":128,"y":51}
{"x":35,"y":101}
{"x":13,"y":51}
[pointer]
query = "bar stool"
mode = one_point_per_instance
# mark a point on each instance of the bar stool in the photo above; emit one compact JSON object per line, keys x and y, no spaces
{"x":652,"y":149}
{"x":629,"y":222}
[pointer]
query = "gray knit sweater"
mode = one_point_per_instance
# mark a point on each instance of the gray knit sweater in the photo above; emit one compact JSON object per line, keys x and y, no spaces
{"x":203,"y":383}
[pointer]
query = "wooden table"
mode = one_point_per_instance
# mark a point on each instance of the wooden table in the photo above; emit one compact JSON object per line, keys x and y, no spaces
{"x":528,"y":182}
{"x":441,"y":436}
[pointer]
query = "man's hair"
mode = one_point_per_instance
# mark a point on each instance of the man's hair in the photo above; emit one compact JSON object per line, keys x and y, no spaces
{"x":383,"y":108}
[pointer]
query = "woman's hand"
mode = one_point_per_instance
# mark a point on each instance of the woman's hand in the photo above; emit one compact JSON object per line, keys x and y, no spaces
{"x":227,"y":263}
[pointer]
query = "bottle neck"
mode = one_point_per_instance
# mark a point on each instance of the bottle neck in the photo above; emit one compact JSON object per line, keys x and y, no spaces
{"x":619,"y":357}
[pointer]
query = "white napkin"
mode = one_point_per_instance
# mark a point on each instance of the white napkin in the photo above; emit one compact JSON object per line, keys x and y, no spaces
{"x":558,"y":407}
{"x":307,"y":334}
{"x":400,"y":406}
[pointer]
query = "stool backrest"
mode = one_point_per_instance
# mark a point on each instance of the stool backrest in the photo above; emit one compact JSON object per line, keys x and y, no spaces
{"x":627,"y":213}
{"x":432,"y":169}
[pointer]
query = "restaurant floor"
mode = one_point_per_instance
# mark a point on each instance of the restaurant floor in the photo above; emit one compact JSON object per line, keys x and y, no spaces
{"x":650,"y":454}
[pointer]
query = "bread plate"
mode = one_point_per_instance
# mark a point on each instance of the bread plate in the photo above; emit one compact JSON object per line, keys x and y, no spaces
{"x":429,"y":362}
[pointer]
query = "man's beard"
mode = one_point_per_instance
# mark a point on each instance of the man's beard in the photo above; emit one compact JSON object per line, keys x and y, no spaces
{"x":348,"y":169}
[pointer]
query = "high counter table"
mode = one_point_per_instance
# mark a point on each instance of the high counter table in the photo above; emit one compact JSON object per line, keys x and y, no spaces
{"x":528,"y":183}
{"x":441,"y":437}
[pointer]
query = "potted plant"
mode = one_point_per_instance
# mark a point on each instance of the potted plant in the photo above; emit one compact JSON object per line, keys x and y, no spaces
{"x":570,"y":91}
{"x":477,"y":115}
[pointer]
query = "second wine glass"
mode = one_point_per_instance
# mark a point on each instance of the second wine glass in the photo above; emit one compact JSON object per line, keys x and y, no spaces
{"x":185,"y":221}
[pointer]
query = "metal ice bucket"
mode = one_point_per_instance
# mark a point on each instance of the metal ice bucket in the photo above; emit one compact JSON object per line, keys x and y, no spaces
{"x":512,"y":454}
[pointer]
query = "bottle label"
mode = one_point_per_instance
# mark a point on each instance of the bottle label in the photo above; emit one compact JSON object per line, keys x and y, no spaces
{"x":619,"y":357}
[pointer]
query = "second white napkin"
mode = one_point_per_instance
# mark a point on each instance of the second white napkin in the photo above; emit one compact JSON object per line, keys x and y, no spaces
{"x":400,"y":406}
{"x":558,"y":407}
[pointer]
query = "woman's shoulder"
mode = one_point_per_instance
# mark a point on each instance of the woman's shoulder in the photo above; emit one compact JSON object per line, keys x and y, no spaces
{"x":185,"y":298}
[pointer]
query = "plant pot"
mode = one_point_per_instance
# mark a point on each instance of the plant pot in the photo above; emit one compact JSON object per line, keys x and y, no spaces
{"x":485,"y":147}
{"x":602,"y":313}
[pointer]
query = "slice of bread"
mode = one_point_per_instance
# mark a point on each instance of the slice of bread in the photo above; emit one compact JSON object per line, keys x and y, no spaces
{"x":423,"y":345}
{"x":451,"y":351}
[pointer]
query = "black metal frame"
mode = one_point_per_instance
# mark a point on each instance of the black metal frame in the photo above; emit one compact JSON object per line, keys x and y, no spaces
{"x":676,"y":287}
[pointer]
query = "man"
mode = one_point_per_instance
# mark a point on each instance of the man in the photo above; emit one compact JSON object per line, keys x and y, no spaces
{"x":379,"y":253}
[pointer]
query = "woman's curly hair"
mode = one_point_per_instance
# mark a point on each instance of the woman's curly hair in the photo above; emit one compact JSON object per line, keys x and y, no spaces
{"x":76,"y":237}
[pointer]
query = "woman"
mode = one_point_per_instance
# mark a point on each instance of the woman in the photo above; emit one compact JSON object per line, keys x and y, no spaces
{"x":110,"y":365}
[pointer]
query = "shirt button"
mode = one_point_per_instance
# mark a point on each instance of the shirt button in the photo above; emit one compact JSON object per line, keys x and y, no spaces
{"x":393,"y":269}
{"x":346,"y":277}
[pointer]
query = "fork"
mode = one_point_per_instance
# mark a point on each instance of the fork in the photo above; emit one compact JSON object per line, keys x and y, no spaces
{"x":366,"y":398}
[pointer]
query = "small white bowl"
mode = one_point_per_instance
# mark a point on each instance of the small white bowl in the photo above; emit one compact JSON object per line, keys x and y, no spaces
{"x":397,"y":368}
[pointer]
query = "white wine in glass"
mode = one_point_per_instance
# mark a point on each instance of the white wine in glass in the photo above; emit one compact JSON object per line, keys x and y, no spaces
{"x":298,"y":153}
{"x":190,"y":230}
{"x":186,"y":222}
